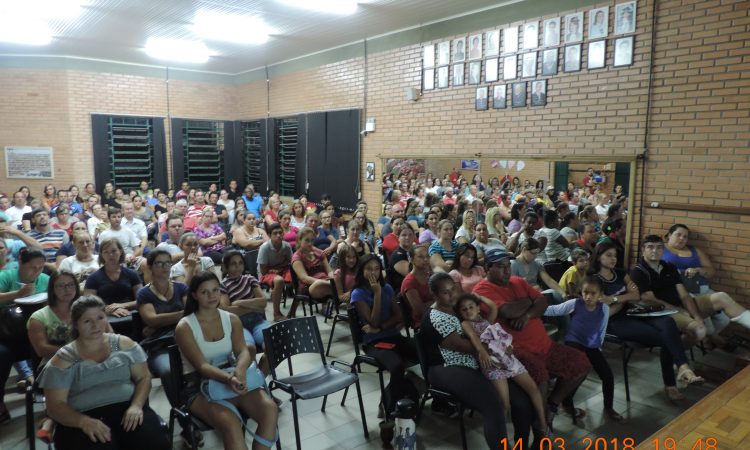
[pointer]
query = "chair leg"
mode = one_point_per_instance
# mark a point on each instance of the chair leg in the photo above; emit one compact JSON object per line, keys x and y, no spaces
{"x":362,"y":409}
{"x":296,"y":422}
{"x":170,"y":427}
{"x":462,"y":427}
{"x":323,"y":408}
{"x":30,"y":435}
{"x":343,"y":399}
{"x":330,"y":338}
{"x":421,"y":407}
{"x":626,"y":353}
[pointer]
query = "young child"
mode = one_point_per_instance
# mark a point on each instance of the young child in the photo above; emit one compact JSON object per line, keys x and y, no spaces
{"x":590,"y":315}
{"x":493,"y":345}
{"x":345,"y":274}
{"x":572,"y":278}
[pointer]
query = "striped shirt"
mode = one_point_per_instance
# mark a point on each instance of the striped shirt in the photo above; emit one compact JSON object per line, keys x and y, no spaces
{"x":240,"y":287}
{"x":51,"y":241}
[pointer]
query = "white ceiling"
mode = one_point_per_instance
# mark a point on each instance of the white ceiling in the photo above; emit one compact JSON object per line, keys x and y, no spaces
{"x":117,"y":30}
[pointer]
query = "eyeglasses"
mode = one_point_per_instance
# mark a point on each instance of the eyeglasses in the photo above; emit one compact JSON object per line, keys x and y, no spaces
{"x":653,"y":246}
{"x":65,"y":285}
{"x":163,"y":264}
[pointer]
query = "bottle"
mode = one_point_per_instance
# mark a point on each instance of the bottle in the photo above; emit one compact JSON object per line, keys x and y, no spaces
{"x":405,"y":431}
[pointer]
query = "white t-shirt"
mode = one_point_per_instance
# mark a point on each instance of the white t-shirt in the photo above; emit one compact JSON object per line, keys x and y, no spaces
{"x":178,"y":269}
{"x":553,"y":250}
{"x":73,"y":265}
{"x":137,"y":226}
{"x":15,"y":214}
{"x":127,"y":238}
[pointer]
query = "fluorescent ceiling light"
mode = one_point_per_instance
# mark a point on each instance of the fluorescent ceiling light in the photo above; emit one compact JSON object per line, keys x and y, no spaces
{"x":240,"y":29}
{"x":42,"y":9}
{"x":26,"y":32}
{"x":342,"y":7}
{"x":177,"y":50}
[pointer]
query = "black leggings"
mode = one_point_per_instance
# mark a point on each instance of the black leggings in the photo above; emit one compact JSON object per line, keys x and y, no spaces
{"x":394,"y":360}
{"x":654,"y":332}
{"x":477,"y":392}
{"x":150,"y":435}
{"x":601,"y":367}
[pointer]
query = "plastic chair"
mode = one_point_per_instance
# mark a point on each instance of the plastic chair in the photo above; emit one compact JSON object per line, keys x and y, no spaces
{"x":333,"y":310}
{"x":251,"y":261}
{"x":359,"y":355}
{"x":304,"y":299}
{"x":301,"y":335}
{"x":406,"y":313}
{"x":437,"y":394}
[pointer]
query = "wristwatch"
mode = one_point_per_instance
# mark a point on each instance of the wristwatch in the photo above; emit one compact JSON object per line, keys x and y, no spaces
{"x":615,"y":300}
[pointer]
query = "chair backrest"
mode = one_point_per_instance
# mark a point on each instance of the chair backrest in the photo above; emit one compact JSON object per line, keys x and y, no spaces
{"x":287,"y":338}
{"x":406,"y":310}
{"x":335,"y":295}
{"x":251,"y":262}
{"x":421,"y":355}
{"x":556,"y":269}
{"x":354,"y":326}
{"x":173,"y":383}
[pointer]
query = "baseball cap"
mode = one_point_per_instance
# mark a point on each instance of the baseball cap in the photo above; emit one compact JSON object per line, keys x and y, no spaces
{"x":497,"y":255}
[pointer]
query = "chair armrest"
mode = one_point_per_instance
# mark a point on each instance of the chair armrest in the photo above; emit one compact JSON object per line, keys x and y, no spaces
{"x":361,"y":358}
{"x":351,"y":367}
{"x":286,"y":387}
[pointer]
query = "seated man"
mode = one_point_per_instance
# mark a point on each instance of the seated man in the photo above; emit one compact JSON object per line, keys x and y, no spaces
{"x":130,"y":243}
{"x":520,"y":308}
{"x":174,"y":231}
{"x":49,"y":239}
{"x":274,"y":266}
{"x":660,"y":281}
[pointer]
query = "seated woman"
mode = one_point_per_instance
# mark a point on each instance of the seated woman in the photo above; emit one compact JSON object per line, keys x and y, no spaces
{"x":211,"y":236}
{"x":327,"y":228}
{"x":290,"y":232}
{"x":298,"y":215}
{"x":495,"y":225}
{"x":63,"y":220}
{"x":239,"y":217}
{"x":344,"y":275}
{"x":113,"y":282}
{"x":414,"y":212}
{"x":191,"y":263}
{"x":312,"y":269}
{"x":380,"y":319}
{"x":453,"y":367}
{"x":367,"y":229}
{"x":516,"y":211}
{"x":241,"y":295}
{"x":207,"y":336}
{"x":555,"y":246}
{"x":272,"y":212}
{"x":227,"y":202}
{"x":249,"y":236}
{"x":614,"y":231}
{"x":160,"y":305}
{"x":649,"y":331}
{"x":97,"y":387}
{"x":26,"y":280}
{"x":430,"y":228}
{"x":465,"y":233}
{"x":414,"y":288}
{"x":352,"y":238}
{"x":466,"y":271}
{"x":84,"y":262}
{"x":323,"y":240}
{"x":390,"y":241}
{"x":484,"y":243}
{"x":442,"y":251}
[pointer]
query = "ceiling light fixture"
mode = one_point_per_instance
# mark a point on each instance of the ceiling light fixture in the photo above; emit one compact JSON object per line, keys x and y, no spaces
{"x":177,"y":50}
{"x":25,"y":32}
{"x":342,"y":7}
{"x":239,"y":29}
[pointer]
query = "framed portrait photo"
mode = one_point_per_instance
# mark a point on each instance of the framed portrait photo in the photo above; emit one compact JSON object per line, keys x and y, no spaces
{"x":498,"y":97}
{"x":510,"y":39}
{"x":519,"y":95}
{"x":596,"y":54}
{"x":458,"y":74}
{"x":490,"y":70}
{"x":428,"y":80}
{"x":428,"y":55}
{"x":370,"y":171}
{"x":510,"y":67}
{"x":480,"y":99}
{"x":442,"y":76}
{"x":625,"y":18}
{"x":598,"y":22}
{"x":623,"y":51}
{"x":528,"y":65}
{"x":492,"y":43}
{"x":459,"y":50}
{"x":475,"y":72}
{"x":573,"y":28}
{"x":444,"y":53}
{"x":572,"y":59}
{"x":530,"y":35}
{"x":549,"y":62}
{"x":475,"y":46}
{"x":539,"y":93}
{"x":552,"y":32}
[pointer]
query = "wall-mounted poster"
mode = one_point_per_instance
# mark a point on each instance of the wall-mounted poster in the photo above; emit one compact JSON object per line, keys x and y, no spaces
{"x":442,"y":75}
{"x":530,"y":35}
{"x":475,"y":72}
{"x":539,"y":93}
{"x":492,"y":42}
{"x":370,"y":171}
{"x":519,"y":95}
{"x":574,"y":28}
{"x":623,"y":51}
{"x":490,"y":70}
{"x":428,"y":56}
{"x":528,"y":66}
{"x":28,"y":162}
{"x":475,"y":46}
{"x":596,"y":54}
{"x":549,"y":62}
{"x":498,"y":97}
{"x":625,"y":18}
{"x":459,"y":50}
{"x":598,"y":22}
{"x":552,"y":32}
{"x":510,"y":67}
{"x":470,"y":164}
{"x":444,"y":53}
{"x":480,"y":100}
{"x":510,"y":39}
{"x":458,"y":74}
{"x":428,"y":81}
{"x":572,"y":62}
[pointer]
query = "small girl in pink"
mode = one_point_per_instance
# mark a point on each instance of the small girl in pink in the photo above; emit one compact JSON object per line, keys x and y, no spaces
{"x":493,"y":345}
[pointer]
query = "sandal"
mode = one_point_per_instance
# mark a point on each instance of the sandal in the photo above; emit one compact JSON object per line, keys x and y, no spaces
{"x":673,"y":394}
{"x":614,"y":415}
{"x":576,"y":413}
{"x":689,"y":377}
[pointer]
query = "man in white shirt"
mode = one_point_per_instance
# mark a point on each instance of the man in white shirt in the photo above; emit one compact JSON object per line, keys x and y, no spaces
{"x":129,"y":241}
{"x":19,"y":208}
{"x":134,"y":224}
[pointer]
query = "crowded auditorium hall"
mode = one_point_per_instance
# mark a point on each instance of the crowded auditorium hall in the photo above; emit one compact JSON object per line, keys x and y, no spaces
{"x":375,"y":224}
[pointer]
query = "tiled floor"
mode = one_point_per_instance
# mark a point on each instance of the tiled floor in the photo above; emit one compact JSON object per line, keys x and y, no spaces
{"x":340,"y":427}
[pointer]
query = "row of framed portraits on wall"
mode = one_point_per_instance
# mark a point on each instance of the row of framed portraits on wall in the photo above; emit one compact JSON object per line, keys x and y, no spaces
{"x":507,"y":68}
{"x":518,"y":93}
{"x":446,"y":52}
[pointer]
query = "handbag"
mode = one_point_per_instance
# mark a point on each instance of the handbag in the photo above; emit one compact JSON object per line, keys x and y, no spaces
{"x":215,"y":390}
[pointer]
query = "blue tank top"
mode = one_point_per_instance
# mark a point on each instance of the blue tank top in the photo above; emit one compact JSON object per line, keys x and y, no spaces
{"x":682,"y":262}
{"x":586,"y":327}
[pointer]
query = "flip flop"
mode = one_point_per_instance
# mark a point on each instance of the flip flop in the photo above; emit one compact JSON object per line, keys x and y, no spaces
{"x":689,"y":377}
